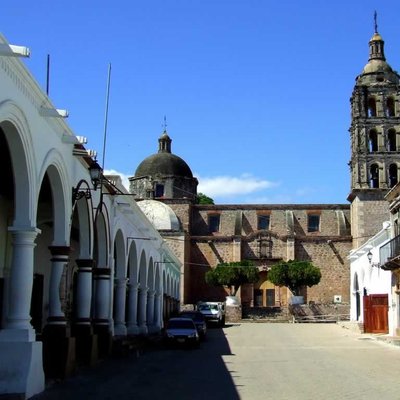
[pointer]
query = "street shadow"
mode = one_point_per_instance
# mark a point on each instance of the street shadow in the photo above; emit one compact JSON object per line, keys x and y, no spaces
{"x":156,"y":372}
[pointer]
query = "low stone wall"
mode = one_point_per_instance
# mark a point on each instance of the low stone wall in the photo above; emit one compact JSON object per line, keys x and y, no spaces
{"x":319,"y":312}
{"x":265,"y":313}
{"x":233,"y":313}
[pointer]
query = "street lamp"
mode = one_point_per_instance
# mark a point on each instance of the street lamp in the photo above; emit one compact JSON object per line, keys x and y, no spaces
{"x":96,"y":174}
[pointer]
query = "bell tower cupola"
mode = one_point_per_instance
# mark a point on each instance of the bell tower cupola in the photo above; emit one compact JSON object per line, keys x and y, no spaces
{"x":376,"y":44}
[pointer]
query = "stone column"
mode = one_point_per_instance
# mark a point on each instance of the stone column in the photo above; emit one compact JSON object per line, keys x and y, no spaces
{"x":102,"y":310}
{"x":86,"y":341}
{"x":84,"y":291}
{"x":58,"y":345}
{"x":23,"y":371}
{"x":58,"y":262}
{"x":157,"y":311}
{"x":101,"y":279}
{"x":17,"y":325}
{"x":142,"y":310}
{"x":236,"y":248}
{"x":150,"y":309}
{"x":290,"y":248}
{"x":132,"y":308}
{"x":119,"y":306}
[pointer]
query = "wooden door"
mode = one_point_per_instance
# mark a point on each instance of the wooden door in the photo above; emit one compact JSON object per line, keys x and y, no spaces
{"x":376,"y":313}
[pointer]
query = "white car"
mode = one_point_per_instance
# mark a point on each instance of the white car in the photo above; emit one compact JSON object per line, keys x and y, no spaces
{"x":182,"y":331}
{"x":213,"y":311}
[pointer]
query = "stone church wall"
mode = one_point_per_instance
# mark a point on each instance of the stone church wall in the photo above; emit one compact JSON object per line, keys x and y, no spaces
{"x":328,"y":248}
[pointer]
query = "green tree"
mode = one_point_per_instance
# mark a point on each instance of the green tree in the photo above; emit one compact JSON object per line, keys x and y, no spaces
{"x":294,"y":275}
{"x":233,"y":275}
{"x":203,"y":199}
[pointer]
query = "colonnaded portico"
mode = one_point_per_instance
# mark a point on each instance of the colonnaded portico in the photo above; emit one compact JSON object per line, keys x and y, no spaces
{"x":81,"y":266}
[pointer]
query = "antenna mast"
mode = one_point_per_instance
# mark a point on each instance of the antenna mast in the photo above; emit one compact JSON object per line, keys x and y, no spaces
{"x":48,"y":75}
{"x":106,"y":115}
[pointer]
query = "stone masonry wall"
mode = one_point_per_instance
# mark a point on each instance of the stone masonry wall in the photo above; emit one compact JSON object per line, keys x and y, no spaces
{"x":328,"y":248}
{"x":368,"y":214}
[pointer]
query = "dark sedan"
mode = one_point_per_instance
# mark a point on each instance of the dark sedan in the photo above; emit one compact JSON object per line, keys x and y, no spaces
{"x":198,"y":319}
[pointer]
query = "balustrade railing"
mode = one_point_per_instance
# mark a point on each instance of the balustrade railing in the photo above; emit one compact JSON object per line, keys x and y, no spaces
{"x":389,"y":250}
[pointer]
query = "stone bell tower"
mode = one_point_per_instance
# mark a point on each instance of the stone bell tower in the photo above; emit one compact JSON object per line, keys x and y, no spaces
{"x":375,"y":142}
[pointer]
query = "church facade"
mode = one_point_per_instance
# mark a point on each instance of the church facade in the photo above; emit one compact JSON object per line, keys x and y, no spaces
{"x":206,"y":235}
{"x":324,"y":234}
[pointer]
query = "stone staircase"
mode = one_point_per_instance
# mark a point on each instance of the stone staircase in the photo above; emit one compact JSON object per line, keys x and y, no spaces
{"x":303,"y":313}
{"x":298,"y":313}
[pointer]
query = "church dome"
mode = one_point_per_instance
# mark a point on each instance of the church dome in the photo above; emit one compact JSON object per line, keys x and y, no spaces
{"x":160,"y":215}
{"x":164,"y":162}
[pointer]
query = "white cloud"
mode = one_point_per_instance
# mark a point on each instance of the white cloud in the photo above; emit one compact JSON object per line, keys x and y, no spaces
{"x":232,"y":186}
{"x":123,"y":176}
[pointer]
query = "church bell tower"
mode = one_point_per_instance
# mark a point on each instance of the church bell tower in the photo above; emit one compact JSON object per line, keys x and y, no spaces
{"x":375,"y":142}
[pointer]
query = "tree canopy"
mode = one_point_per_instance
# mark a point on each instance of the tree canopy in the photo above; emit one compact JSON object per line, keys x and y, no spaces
{"x":233,"y":275}
{"x":294,"y":275}
{"x":203,"y":199}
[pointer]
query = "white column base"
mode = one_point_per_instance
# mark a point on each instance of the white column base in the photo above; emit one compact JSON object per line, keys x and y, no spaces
{"x":143,"y":330}
{"x":22,"y":370}
{"x":120,"y":330}
{"x":17,"y":335}
{"x":133,"y":330}
{"x":153,"y":329}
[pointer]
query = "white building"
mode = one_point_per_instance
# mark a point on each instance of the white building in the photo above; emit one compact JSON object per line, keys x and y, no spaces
{"x":371,"y":294}
{"x":80,"y":264}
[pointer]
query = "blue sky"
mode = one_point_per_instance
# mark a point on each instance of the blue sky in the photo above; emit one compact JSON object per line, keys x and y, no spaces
{"x":255,"y":92}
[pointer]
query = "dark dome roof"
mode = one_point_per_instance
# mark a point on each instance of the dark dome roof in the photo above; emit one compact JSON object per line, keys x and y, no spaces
{"x":163,"y":164}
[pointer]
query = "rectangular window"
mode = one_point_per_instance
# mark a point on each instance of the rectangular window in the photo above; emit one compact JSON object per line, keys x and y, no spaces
{"x":313,"y":222}
{"x":263,"y":222}
{"x":213,"y":223}
{"x":159,"y":190}
{"x":270,"y":297}
{"x":258,"y":298}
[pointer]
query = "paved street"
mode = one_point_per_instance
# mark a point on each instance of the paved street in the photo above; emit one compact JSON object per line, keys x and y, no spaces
{"x":250,"y":362}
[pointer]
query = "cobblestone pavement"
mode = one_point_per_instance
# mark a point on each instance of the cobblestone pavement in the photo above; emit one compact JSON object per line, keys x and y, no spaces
{"x":249,"y":361}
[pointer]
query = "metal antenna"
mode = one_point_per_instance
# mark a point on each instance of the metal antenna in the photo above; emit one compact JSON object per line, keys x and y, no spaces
{"x":106,"y":115}
{"x":48,"y":75}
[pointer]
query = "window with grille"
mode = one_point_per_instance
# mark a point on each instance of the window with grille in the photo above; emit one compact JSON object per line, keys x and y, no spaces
{"x":263,"y":222}
{"x":313,"y":222}
{"x":213,"y":223}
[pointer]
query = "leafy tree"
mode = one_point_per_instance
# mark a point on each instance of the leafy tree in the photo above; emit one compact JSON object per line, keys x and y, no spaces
{"x":294,"y":275}
{"x":233,"y":275}
{"x":203,"y":199}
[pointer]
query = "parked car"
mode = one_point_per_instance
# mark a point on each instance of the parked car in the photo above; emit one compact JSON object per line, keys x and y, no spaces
{"x":213,"y":311}
{"x":182,"y":331}
{"x":198,"y":319}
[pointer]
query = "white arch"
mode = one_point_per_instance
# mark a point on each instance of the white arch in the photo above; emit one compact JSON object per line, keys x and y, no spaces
{"x":17,"y":132}
{"x":58,"y":177}
{"x":119,"y":255}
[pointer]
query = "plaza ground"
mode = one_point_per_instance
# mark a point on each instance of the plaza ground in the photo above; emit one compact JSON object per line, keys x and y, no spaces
{"x":248,"y":361}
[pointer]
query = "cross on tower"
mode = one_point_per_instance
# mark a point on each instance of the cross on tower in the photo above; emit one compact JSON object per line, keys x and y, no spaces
{"x":164,"y":124}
